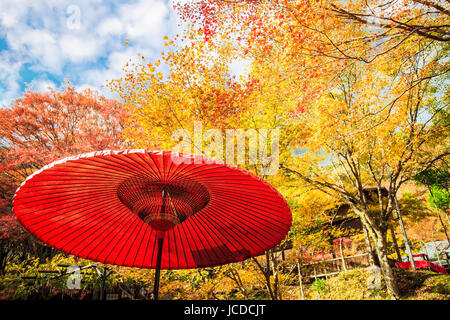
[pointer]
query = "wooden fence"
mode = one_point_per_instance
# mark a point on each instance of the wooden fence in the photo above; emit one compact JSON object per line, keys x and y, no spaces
{"x":330,"y":267}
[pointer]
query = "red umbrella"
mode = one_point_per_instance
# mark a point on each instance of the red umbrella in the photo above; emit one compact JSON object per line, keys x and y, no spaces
{"x":150,"y":209}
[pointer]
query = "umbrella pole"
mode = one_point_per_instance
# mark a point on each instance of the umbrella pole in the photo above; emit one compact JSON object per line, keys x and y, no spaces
{"x":158,"y":269}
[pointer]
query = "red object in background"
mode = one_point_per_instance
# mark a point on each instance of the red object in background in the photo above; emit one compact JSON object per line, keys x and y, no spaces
{"x":422,"y":256}
{"x":322,"y":256}
{"x":123,"y":207}
{"x":346,"y":242}
{"x":422,"y":264}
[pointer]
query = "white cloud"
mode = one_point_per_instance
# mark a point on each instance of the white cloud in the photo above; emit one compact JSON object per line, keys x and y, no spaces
{"x":42,"y":85}
{"x":12,"y":12}
{"x":80,"y":49}
{"x":38,"y":34}
{"x":9,"y":79}
{"x":145,"y":20}
{"x":110,"y":26}
{"x":40,"y":46}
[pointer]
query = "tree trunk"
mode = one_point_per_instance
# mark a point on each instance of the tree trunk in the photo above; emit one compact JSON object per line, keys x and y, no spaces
{"x":300,"y":281}
{"x":373,"y":259}
{"x":266,"y":273}
{"x":272,"y":292}
{"x":276,"y":281}
{"x":234,"y":275}
{"x":381,"y":247}
{"x":344,"y":267}
{"x":379,"y":237}
{"x":394,"y":240}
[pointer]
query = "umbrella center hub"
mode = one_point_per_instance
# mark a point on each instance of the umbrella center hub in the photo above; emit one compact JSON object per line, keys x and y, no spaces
{"x":163,"y":205}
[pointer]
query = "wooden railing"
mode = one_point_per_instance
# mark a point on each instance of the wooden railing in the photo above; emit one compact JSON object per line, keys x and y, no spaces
{"x":333,"y":266}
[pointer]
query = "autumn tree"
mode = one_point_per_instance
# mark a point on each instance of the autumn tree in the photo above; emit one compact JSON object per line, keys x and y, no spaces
{"x":370,"y":143}
{"x":39,"y":128}
{"x":367,"y":92}
{"x":193,"y":83}
{"x":398,"y":20}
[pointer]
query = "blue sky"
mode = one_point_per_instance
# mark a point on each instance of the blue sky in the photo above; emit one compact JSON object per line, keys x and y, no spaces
{"x":44,"y":42}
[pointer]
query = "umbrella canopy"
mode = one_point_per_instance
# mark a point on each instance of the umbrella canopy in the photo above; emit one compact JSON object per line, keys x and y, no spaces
{"x":116,"y":207}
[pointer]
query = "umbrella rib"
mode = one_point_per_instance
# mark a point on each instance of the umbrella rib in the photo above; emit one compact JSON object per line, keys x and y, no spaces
{"x":182,"y":227}
{"x":118,"y":241}
{"x":99,"y":223}
{"x":62,"y":198}
{"x":93,"y":169}
{"x":59,"y":214}
{"x":173,"y":172}
{"x":144,"y":237}
{"x":73,"y":246}
{"x":156,"y":165}
{"x":133,"y":163}
{"x":248,"y":215}
{"x":178,"y":229}
{"x":131,"y":245}
{"x":239,"y":218}
{"x":188,"y":229}
{"x":171,"y":236}
{"x":60,"y":203}
{"x":212,"y":238}
{"x":205,"y":251}
{"x":78,"y":186}
{"x":245,"y":201}
{"x":144,"y":259}
{"x":248,"y":196}
{"x":149,"y":168}
{"x":124,"y":166}
{"x":93,"y":210}
{"x":238,"y":232}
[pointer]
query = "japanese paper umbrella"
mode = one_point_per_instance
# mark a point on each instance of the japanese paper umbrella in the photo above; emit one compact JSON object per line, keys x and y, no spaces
{"x":150,"y":209}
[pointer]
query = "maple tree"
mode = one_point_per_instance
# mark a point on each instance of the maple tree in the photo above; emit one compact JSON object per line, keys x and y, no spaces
{"x":200,"y":87}
{"x":367,"y":144}
{"x":39,"y":128}
{"x":312,"y":24}
{"x":315,"y":41}
{"x":398,"y":20}
{"x":195,"y":88}
{"x":365,"y":83}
